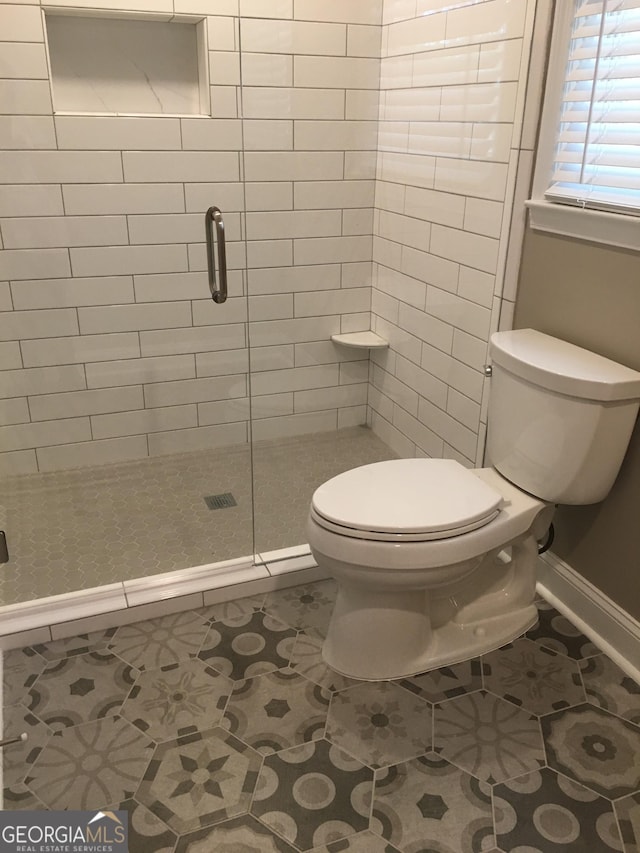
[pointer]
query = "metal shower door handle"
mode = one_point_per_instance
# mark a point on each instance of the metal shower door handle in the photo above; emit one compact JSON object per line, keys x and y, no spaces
{"x":213,"y":216}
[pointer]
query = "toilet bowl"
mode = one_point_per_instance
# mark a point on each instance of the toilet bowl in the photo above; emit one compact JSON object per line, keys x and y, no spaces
{"x":402,"y":538}
{"x":436,"y":563}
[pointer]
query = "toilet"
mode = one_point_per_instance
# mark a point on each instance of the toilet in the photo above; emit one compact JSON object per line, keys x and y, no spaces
{"x":436,"y":563}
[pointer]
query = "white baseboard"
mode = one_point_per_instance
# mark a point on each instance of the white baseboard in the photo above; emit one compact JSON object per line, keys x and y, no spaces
{"x":606,"y":624}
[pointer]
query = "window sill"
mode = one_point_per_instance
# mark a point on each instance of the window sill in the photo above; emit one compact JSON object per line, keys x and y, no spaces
{"x":597,"y":226}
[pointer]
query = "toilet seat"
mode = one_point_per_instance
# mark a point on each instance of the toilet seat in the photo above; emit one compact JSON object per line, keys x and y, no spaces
{"x":405,"y":500}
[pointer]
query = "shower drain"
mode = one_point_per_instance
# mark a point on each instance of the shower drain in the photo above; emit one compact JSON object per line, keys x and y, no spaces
{"x":220,"y":501}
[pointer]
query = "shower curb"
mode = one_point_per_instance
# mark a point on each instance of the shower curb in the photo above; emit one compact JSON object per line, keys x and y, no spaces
{"x":108,"y":606}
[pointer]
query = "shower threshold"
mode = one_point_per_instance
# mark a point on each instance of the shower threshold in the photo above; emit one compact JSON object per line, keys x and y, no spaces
{"x":108,"y":606}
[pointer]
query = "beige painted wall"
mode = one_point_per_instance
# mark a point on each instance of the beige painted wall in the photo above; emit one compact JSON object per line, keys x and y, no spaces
{"x":590,"y":295}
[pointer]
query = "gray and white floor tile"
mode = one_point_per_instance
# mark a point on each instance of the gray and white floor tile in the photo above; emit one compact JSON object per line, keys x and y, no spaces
{"x":306,"y":607}
{"x":199,"y":779}
{"x":161,"y":641}
{"x":18,"y":757}
{"x":244,"y":834}
{"x":428,"y":804}
{"x":147,"y":833}
{"x":176,"y":699}
{"x":487,"y":736}
{"x":544,"y":810}
{"x":230,"y":610}
{"x":361,"y":842}
{"x":533,"y":677}
{"x":628,"y":811}
{"x":223,"y":729}
{"x":90,"y":766}
{"x":595,"y":748}
{"x":381,"y":723}
{"x":74,"y":690}
{"x":248,"y":645}
{"x":313,"y":794}
{"x":21,"y":667}
{"x":79,"y":645}
{"x":610,"y":688}
{"x":306,"y":659}
{"x":554,"y":631}
{"x":448,"y":681}
{"x":277,"y":710}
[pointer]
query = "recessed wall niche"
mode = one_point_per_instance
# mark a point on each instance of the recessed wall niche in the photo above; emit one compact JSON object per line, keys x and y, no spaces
{"x":127,"y":66}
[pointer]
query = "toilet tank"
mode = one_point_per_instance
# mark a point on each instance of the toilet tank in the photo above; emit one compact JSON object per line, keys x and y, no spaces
{"x":560,"y":417}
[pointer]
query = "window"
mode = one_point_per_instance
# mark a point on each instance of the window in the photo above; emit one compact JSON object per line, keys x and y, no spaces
{"x":587,"y":181}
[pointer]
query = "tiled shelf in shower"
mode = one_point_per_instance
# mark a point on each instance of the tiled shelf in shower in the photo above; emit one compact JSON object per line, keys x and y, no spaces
{"x":361,"y":340}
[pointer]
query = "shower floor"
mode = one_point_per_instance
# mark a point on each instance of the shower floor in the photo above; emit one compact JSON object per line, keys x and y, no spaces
{"x":83,"y":528}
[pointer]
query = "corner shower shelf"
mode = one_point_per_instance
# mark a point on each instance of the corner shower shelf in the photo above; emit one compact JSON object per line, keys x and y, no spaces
{"x":361,"y":340}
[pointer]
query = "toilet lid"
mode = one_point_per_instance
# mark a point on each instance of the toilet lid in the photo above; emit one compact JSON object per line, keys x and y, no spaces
{"x":408,"y":496}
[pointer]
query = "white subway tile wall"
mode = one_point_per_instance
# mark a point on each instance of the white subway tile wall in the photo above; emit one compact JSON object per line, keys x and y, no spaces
{"x":366,"y":150}
{"x":110,"y":347}
{"x":453,"y":80}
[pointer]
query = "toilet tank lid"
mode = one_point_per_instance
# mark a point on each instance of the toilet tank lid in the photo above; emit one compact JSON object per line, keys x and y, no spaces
{"x":563,"y":367}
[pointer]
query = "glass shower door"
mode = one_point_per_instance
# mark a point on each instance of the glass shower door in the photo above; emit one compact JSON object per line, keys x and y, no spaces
{"x":310,"y":84}
{"x":124,"y":405}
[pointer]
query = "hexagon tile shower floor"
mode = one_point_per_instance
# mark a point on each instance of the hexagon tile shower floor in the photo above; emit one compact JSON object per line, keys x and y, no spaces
{"x":88,"y":527}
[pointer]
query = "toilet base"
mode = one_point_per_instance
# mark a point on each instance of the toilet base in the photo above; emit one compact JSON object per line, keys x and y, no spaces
{"x":423,"y":648}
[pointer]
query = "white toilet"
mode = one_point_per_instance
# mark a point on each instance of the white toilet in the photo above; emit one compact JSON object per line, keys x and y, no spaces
{"x":436,"y":563}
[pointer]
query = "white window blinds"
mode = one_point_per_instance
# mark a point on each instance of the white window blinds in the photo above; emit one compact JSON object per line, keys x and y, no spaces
{"x":597,"y":155}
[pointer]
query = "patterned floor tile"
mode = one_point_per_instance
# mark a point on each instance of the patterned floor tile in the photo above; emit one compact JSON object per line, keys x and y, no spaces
{"x":277,"y":710}
{"x":362,"y":842}
{"x":242,"y":834}
{"x":232,"y":609}
{"x":19,"y":798}
{"x":487,"y":736}
{"x":555,"y":632}
{"x":317,"y":796}
{"x":199,"y":779}
{"x":428,"y":804}
{"x":447,"y":682}
{"x":306,"y":659}
{"x":86,"y":766}
{"x":160,"y":642}
{"x":176,"y":699}
{"x":595,"y":748}
{"x":17,"y":758}
{"x":77,"y":689}
{"x":305,"y":607}
{"x":610,"y":688}
{"x":537,"y":679}
{"x":20,"y":667}
{"x":313,"y":794}
{"x":78,"y":645}
{"x":628,"y":812}
{"x":248,"y":645}
{"x":147,"y":834}
{"x":544,"y":811}
{"x":380,"y":723}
